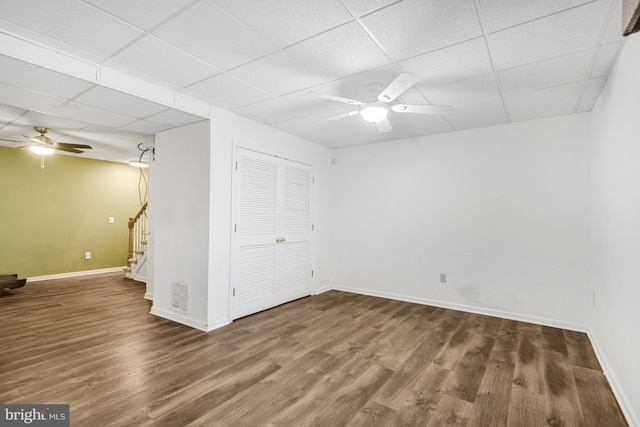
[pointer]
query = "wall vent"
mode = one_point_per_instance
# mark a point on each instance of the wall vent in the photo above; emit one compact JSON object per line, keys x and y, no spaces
{"x":180,"y":293}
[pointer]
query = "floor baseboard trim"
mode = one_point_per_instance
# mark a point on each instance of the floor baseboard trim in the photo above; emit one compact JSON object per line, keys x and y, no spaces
{"x":74,"y":274}
{"x":467,"y":308}
{"x":627,"y":409}
{"x":187,"y":321}
{"x":322,"y":290}
{"x":148,"y":296}
{"x":178,"y":318}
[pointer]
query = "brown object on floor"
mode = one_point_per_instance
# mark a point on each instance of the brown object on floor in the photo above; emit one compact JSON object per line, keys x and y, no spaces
{"x":332,"y":359}
{"x":11,"y":281}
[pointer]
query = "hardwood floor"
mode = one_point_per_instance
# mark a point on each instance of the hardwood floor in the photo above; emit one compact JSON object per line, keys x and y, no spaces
{"x":333,"y":359}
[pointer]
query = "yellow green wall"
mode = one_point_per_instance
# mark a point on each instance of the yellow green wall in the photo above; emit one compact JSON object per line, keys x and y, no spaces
{"x":49,"y":218}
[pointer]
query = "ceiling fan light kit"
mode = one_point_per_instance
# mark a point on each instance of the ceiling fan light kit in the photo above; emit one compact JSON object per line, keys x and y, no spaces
{"x":42,"y":150}
{"x":374,"y":111}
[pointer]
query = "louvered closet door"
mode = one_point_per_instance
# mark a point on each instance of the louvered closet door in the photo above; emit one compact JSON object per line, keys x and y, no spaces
{"x":271,"y":258}
{"x":254,"y":257}
{"x":294,"y":272}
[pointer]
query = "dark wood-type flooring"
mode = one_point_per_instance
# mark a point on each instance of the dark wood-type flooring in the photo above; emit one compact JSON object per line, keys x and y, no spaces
{"x":332,"y":359}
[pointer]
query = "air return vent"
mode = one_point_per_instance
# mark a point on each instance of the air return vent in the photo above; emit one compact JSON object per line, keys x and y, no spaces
{"x":180,"y":292}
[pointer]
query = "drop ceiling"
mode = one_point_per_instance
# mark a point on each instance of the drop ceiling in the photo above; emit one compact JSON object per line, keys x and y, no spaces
{"x":495,"y":61}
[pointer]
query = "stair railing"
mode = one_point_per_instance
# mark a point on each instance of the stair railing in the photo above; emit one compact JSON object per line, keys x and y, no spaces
{"x":137,"y":232}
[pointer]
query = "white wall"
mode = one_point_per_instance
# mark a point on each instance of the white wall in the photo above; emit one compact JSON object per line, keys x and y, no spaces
{"x":227,"y":131}
{"x":615,"y":227}
{"x":179,"y":202}
{"x":501,"y":210}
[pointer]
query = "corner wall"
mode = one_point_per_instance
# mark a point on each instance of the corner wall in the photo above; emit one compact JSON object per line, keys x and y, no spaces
{"x":179,"y":209}
{"x":615,"y":228}
{"x":501,"y":210}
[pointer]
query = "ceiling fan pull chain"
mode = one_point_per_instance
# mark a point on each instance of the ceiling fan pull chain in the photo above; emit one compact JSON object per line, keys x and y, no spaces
{"x":42,"y":162}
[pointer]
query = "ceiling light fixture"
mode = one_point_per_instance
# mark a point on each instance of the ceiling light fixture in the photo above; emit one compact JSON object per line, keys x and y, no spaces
{"x":139,"y":164}
{"x":374,"y":112}
{"x":41,"y":149}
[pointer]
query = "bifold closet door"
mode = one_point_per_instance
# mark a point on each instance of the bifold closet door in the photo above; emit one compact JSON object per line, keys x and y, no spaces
{"x":271,"y":257}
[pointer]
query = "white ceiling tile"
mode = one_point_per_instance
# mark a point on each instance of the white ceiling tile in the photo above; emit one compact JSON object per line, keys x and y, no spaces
{"x":325,"y":133}
{"x":419,"y":124}
{"x":479,"y":114}
{"x":28,"y":76}
{"x":28,"y":99}
{"x":359,"y":86}
{"x":271,"y":110}
{"x":548,"y":102}
{"x":72,"y":22}
{"x":288,"y":21}
{"x":91,"y":114}
{"x":208,"y":32}
{"x":174,"y":118}
{"x":551,"y":72}
{"x":146,"y":126}
{"x":463,"y":92}
{"x":614,"y":28}
{"x":500,"y":14}
{"x":226,"y":91}
{"x":160,"y":60}
{"x":590,"y":94}
{"x":605,"y":58}
{"x":413,"y":27}
{"x":360,"y":7}
{"x":450,"y":64}
{"x":55,"y":124}
{"x":340,"y":52}
{"x":280,"y":73}
{"x":553,"y":36}
{"x":9,"y":113}
{"x":141,"y":13}
{"x":118,"y":102}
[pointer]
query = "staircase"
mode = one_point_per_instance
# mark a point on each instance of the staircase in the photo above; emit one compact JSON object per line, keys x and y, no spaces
{"x":136,"y":268}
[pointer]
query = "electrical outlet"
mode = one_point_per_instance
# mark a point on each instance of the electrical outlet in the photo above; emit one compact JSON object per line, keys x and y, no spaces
{"x":87,"y":255}
{"x":594,"y":297}
{"x":111,"y":220}
{"x":443,"y":277}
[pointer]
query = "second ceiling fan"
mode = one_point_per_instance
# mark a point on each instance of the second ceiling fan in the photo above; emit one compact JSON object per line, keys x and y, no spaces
{"x":375,"y":111}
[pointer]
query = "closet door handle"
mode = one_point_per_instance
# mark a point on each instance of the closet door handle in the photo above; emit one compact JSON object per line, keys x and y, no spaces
{"x":280,"y":239}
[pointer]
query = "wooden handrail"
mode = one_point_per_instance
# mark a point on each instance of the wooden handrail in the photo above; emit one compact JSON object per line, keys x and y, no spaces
{"x":131,"y":224}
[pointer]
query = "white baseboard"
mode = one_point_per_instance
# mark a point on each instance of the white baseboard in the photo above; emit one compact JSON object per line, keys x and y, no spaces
{"x":467,"y":308}
{"x":322,"y":290}
{"x":74,"y":274}
{"x":148,"y":296}
{"x":193,"y":323}
{"x":625,"y":405}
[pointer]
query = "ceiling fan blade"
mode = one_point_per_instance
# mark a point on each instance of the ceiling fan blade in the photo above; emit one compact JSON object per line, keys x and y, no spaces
{"x":421,"y":109}
{"x":341,"y":116}
{"x":12,"y":140}
{"x":397,"y":87}
{"x":336,"y":98}
{"x":70,"y":145}
{"x":68,"y":149}
{"x":384,"y":125}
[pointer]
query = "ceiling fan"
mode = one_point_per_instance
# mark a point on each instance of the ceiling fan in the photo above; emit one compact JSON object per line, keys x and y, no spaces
{"x":375,"y":111}
{"x":42,"y":144}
